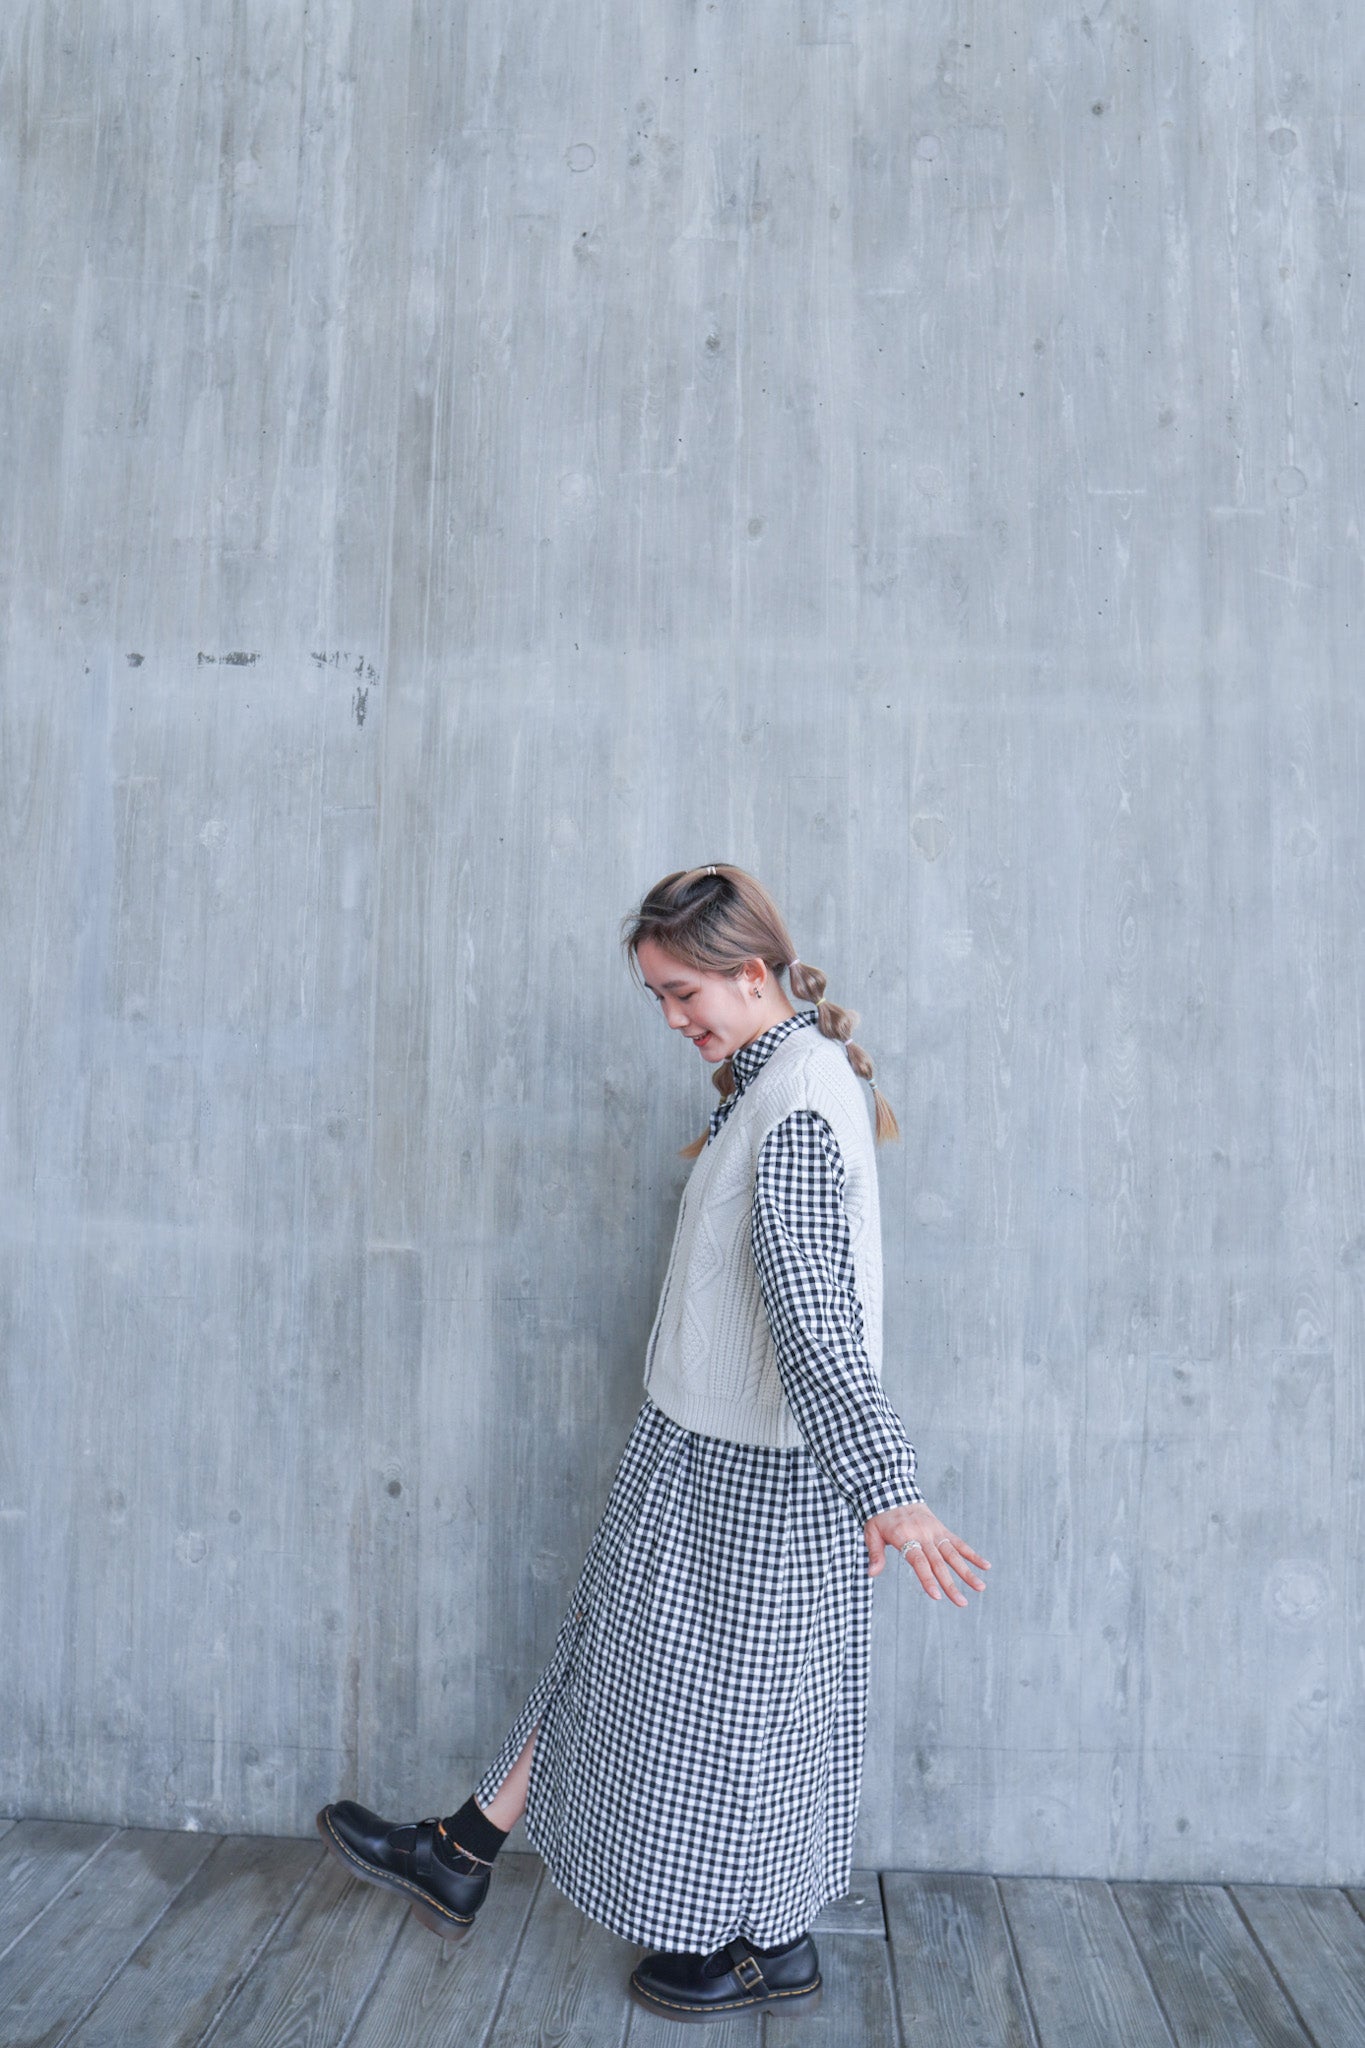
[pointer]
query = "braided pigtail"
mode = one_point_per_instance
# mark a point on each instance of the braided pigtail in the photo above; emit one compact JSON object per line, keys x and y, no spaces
{"x":836,"y":1022}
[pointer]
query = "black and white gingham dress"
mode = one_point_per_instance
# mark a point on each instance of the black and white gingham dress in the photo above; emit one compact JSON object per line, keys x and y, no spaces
{"x":697,"y":1771}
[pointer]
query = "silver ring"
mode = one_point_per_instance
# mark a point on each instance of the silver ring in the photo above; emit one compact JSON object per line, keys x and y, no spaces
{"x":913,"y":1544}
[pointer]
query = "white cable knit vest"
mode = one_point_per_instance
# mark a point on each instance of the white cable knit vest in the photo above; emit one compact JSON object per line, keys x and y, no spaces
{"x":710,"y":1362}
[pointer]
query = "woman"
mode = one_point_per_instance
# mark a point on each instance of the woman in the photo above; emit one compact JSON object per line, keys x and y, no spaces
{"x":689,"y":1761}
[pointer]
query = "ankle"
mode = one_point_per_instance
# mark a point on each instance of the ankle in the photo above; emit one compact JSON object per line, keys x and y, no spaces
{"x":470,"y":1832}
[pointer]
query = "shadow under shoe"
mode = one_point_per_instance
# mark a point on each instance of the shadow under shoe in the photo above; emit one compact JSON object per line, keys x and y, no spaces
{"x":731,"y":1979}
{"x":401,"y":1855}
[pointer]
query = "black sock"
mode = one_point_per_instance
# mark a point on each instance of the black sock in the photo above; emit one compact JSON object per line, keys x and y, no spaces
{"x":780,"y":1950}
{"x":470,"y":1830}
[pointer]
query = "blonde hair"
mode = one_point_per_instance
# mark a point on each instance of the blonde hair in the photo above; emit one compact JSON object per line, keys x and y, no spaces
{"x":715,"y":918}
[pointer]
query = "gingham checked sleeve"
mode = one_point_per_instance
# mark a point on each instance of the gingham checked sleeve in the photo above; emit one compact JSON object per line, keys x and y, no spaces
{"x":802,"y":1250}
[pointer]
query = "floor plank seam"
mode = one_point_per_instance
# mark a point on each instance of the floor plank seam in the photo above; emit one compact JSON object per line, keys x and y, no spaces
{"x":1024,"y":1992}
{"x":1147,"y":1976}
{"x":511,"y":1969}
{"x":1280,"y":1984}
{"x":1166,"y":2019}
{"x":145,"y":1936}
{"x":27,"y":1929}
{"x":900,"y":2041}
{"x":237,"y":1989}
{"x":363,"y":2002}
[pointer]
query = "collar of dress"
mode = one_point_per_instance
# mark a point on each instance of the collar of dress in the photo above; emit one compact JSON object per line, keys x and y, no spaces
{"x":745,"y":1063}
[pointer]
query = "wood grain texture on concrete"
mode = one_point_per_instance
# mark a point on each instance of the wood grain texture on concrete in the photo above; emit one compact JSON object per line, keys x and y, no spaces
{"x":462,"y":464}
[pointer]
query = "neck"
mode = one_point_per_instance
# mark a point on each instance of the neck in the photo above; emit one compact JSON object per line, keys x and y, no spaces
{"x":770,"y":1014}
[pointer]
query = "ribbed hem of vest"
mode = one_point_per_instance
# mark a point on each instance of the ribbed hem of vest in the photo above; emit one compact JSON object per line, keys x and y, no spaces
{"x":773,"y":1429}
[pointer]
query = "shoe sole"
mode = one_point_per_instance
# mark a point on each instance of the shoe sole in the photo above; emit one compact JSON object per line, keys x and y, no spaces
{"x":804,"y":2000}
{"x":440,"y":1919}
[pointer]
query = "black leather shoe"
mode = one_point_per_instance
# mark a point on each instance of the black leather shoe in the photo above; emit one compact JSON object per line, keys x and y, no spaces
{"x":729,"y":1980}
{"x":402,"y":1855}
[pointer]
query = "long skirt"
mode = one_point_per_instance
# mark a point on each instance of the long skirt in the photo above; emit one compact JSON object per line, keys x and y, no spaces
{"x":698,"y":1765}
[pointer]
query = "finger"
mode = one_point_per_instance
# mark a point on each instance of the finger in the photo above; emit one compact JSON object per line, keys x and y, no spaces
{"x":967,"y":1551}
{"x":920,"y":1567}
{"x":964,"y":1571}
{"x":941,"y":1573}
{"x":876,"y":1549}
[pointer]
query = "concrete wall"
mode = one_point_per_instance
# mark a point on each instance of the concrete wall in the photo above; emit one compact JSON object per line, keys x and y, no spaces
{"x":461,"y":462}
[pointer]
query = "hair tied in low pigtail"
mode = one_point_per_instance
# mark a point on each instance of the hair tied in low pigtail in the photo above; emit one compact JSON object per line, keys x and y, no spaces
{"x":808,"y":983}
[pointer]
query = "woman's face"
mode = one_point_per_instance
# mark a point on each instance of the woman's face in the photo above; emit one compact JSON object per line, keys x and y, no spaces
{"x":716,"y":1011}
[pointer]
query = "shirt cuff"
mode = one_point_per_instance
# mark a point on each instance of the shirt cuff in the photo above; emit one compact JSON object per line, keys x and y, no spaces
{"x":892,"y":1493}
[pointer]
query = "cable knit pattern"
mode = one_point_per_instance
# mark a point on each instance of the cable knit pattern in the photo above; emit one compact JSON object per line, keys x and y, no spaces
{"x":710,"y":1363}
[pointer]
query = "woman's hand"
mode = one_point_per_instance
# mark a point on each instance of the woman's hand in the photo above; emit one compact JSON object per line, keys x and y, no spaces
{"x":936,"y":1554}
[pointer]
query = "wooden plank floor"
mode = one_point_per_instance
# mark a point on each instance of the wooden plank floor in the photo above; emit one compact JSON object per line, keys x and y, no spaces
{"x":172,"y":1940}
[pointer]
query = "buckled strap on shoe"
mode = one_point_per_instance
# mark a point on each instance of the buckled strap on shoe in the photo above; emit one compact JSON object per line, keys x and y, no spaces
{"x":744,"y":1963}
{"x":423,"y":1853}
